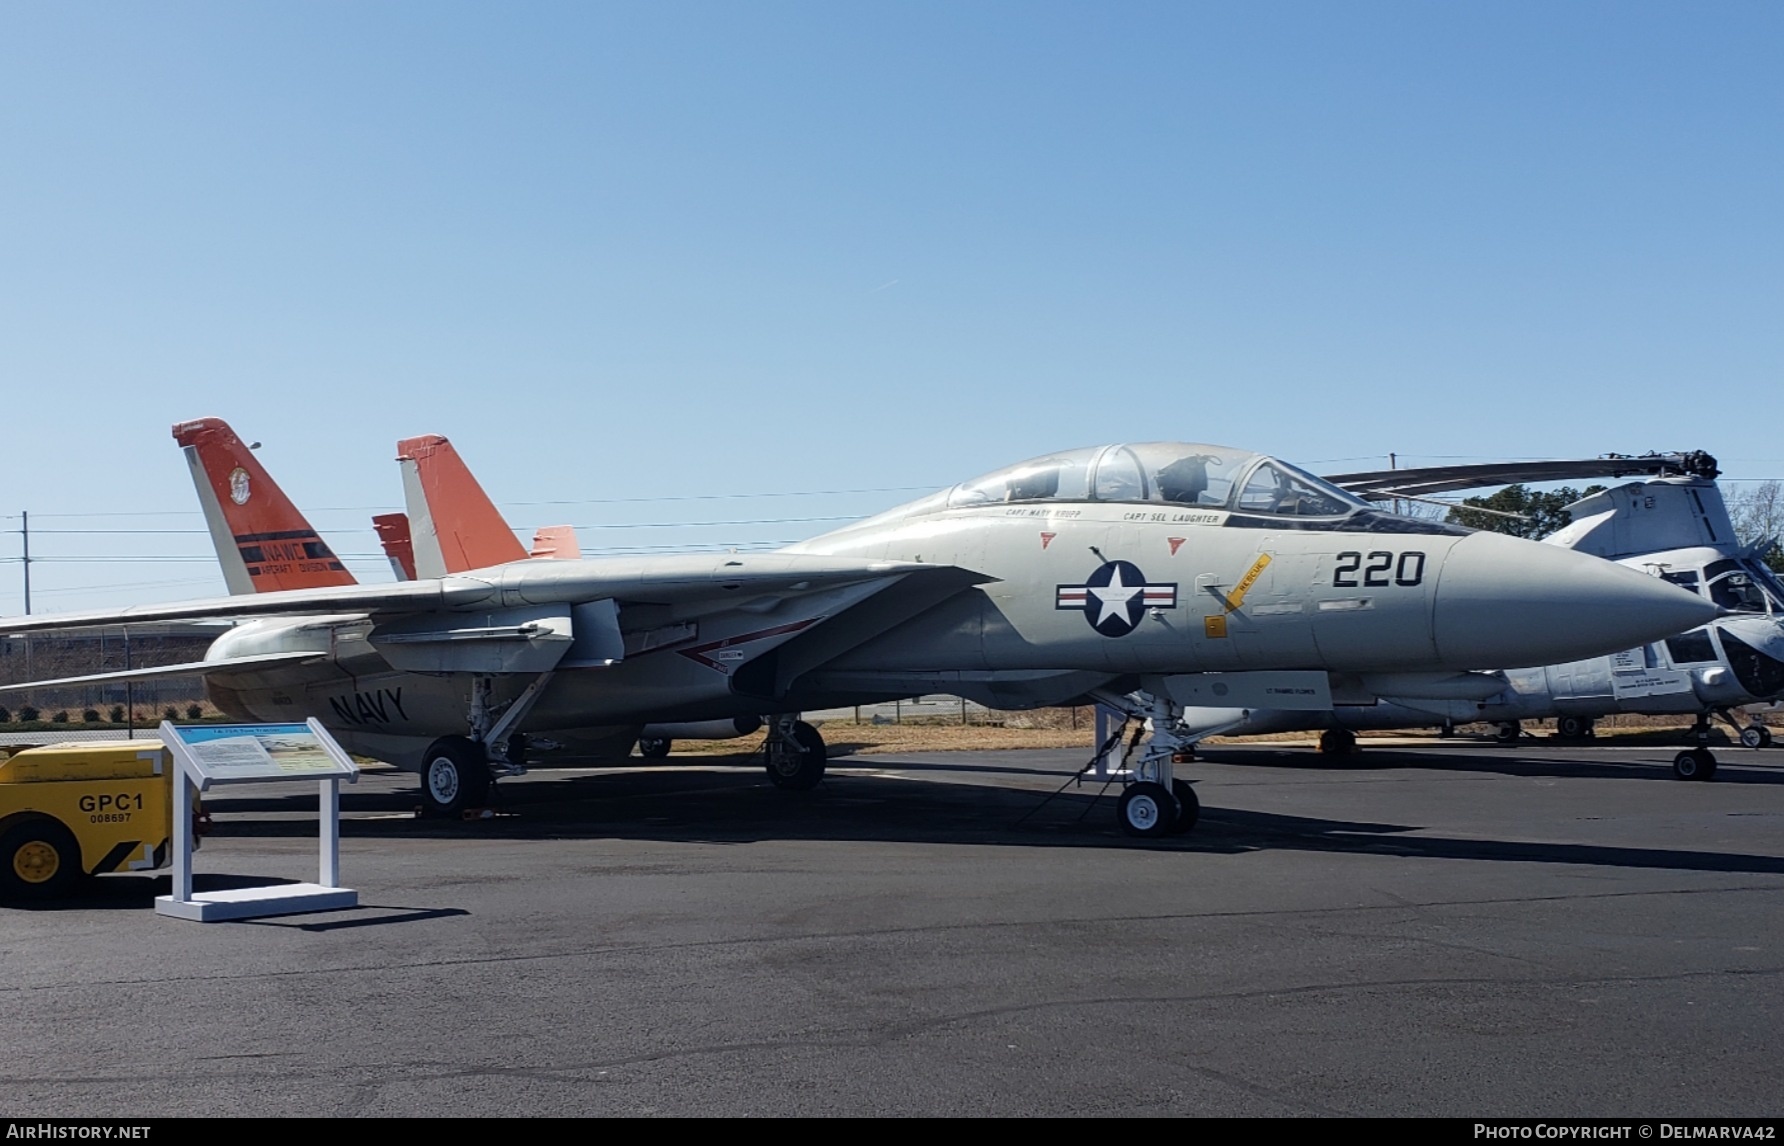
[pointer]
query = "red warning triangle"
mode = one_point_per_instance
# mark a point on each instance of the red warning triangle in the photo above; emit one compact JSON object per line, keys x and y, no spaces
{"x":1047,"y":539}
{"x":1176,"y":543}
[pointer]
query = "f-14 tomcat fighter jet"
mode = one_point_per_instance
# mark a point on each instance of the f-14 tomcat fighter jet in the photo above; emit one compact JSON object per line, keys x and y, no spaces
{"x":1672,"y":524}
{"x":1175,"y":573}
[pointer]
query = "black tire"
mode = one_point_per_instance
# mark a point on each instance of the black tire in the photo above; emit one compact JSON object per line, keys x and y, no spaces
{"x":454,"y":776}
{"x":654,"y":748}
{"x":1696,"y":764}
{"x":39,"y":859}
{"x":1146,"y":810}
{"x":1573,"y":727}
{"x":1338,"y":742}
{"x":798,"y":766}
{"x":1506,"y":732}
{"x":1756,"y":736}
{"x":1189,"y":809}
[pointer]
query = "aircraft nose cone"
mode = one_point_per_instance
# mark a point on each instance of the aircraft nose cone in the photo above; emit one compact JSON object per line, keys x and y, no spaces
{"x":1503,"y":602}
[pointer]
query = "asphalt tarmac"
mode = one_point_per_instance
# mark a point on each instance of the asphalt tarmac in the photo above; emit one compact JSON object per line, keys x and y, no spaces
{"x":1456,"y":930}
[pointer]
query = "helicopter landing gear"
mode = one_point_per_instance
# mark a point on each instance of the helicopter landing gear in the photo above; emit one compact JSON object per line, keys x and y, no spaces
{"x":1338,"y":742}
{"x":1506,"y":732}
{"x":1697,"y":763}
{"x":1573,"y":727}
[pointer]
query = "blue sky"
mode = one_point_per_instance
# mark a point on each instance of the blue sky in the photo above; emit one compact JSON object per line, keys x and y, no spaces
{"x":675,"y":250}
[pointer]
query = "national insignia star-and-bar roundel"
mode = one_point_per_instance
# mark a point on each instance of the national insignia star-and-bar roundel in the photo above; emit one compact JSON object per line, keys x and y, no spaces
{"x":1115,"y":597}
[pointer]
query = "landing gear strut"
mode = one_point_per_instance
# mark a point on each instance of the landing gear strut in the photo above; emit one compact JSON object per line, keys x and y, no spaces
{"x":1154,"y":803}
{"x":1755,"y":735}
{"x":458,"y":772}
{"x":795,"y":754}
{"x":1698,"y":763}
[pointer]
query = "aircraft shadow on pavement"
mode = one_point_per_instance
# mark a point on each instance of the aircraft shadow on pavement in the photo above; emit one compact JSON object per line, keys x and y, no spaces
{"x":1734,"y":766}
{"x":726,"y":805}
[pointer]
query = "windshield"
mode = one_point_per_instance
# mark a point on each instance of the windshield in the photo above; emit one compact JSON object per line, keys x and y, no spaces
{"x":1174,"y":473}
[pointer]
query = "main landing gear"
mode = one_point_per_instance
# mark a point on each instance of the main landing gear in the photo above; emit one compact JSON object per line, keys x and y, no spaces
{"x":1154,"y":803}
{"x":795,"y":754}
{"x":1697,"y":763}
{"x":458,"y":773}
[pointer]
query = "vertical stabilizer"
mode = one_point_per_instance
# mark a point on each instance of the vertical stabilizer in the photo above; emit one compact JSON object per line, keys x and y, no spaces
{"x":393,"y":535}
{"x":262,"y":540}
{"x":453,"y":525}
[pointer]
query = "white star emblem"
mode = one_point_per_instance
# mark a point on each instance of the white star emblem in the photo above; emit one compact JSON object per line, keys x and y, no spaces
{"x":1114,"y":597}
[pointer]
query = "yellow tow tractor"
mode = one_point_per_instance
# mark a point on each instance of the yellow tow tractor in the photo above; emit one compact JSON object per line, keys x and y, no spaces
{"x":77,"y":809}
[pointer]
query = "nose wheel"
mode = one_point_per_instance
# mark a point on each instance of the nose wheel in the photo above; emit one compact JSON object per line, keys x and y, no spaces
{"x":1756,"y":736}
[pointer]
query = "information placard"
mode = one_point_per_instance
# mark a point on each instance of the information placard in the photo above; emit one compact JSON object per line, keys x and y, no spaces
{"x":238,"y":753}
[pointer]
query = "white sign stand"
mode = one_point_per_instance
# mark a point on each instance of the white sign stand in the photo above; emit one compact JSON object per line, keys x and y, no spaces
{"x":209,"y":755}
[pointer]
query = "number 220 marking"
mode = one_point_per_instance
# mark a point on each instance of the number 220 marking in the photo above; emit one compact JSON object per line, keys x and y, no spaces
{"x":1408,"y":569}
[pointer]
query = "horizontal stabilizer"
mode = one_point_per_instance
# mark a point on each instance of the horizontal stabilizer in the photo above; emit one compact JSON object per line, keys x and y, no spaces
{"x":190,"y":668}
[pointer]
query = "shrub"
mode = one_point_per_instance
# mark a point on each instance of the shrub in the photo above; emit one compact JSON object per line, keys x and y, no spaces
{"x":90,"y":715}
{"x":5,"y":716}
{"x":27,"y":713}
{"x":170,"y":713}
{"x":117,"y":714}
{"x":61,"y":717}
{"x":194,"y":712}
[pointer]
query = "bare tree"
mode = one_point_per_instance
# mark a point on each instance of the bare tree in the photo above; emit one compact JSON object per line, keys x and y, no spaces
{"x":1758,"y":516}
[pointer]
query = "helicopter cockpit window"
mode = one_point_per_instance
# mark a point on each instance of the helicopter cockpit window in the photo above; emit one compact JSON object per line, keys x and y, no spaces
{"x":1118,"y":476}
{"x":1277,"y":488}
{"x":1734,"y":587}
{"x":1061,"y":477}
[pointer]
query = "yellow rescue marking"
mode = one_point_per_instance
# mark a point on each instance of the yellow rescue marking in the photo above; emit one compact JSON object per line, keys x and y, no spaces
{"x":1246,"y":582}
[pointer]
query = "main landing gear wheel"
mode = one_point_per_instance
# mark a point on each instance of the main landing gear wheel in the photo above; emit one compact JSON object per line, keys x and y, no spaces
{"x":1756,"y":736}
{"x":796,"y":763}
{"x":1573,"y":727}
{"x":1189,"y":809}
{"x":1147,"y":810}
{"x":454,"y":776}
{"x":1337,"y":742}
{"x":1697,"y":764}
{"x":38,"y":859}
{"x":1506,"y":732}
{"x":654,"y":749}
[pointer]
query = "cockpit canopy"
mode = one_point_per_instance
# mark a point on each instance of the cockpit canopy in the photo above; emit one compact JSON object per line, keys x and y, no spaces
{"x":1171,"y":473}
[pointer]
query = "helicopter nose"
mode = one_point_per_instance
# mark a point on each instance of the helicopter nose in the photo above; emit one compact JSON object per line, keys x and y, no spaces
{"x":1503,"y":602}
{"x":1754,"y":647}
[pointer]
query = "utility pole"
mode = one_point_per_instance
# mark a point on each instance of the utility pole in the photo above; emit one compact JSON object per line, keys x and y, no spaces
{"x":25,"y":532}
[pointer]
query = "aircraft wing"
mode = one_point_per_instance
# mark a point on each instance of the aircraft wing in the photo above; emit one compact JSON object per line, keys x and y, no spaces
{"x":643,"y":580}
{"x":1380,"y":485}
{"x":189,"y":668}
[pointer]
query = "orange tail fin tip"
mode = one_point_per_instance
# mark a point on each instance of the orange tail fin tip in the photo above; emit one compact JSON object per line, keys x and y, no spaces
{"x":393,"y":535}
{"x":263,"y":541}
{"x":453,"y":524}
